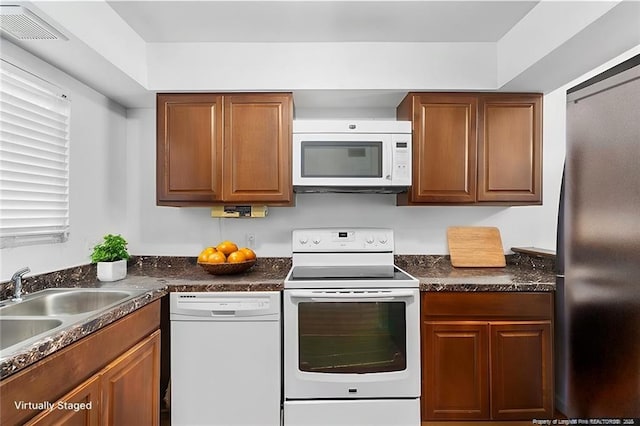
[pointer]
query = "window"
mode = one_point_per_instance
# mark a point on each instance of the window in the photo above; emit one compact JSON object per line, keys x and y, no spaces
{"x":34,"y":159}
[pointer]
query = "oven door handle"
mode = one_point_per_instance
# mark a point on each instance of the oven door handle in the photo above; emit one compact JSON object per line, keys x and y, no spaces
{"x":325,"y":296}
{"x":353,"y":299}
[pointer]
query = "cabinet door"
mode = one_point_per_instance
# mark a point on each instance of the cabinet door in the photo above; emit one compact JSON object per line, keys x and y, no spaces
{"x":455,"y":370}
{"x":80,"y":407}
{"x":510,"y":148}
{"x":257,"y":148}
{"x":131,"y":386}
{"x":521,"y":371}
{"x":444,"y":158}
{"x":189,"y":148}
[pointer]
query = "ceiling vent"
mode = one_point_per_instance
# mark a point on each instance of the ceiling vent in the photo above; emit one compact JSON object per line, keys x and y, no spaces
{"x":23,"y":24}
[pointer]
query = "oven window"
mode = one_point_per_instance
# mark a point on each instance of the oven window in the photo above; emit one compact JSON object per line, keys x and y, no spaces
{"x":352,"y":337}
{"x":341,"y":159}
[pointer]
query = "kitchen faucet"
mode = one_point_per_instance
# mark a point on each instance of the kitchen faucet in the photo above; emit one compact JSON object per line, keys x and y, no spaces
{"x":17,"y":279}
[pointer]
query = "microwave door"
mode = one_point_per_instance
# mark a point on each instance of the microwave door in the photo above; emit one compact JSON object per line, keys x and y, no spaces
{"x":339,"y":160}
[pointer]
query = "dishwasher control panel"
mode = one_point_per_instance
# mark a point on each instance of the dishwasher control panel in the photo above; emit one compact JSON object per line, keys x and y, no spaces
{"x":225,"y":305}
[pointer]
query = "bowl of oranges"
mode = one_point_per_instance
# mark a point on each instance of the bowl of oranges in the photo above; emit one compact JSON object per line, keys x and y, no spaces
{"x":226,"y":258}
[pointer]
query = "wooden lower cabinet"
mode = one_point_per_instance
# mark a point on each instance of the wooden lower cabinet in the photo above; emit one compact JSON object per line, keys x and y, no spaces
{"x":79,"y":407}
{"x":486,"y":366}
{"x":126,"y":392}
{"x":131,"y":386}
{"x":521,"y":370}
{"x":456,"y":370}
{"x":116,"y":369}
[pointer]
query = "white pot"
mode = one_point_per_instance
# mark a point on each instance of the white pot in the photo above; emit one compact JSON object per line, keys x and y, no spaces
{"x":112,"y":271}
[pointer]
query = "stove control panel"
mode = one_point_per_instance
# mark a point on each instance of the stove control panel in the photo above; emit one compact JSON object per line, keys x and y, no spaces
{"x":335,"y":240}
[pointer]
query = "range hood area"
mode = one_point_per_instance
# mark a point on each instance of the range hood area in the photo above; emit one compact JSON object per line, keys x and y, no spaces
{"x":329,"y":189}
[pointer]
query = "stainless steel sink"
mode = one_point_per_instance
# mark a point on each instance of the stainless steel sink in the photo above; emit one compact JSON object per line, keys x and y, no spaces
{"x":13,"y":331}
{"x":65,"y":302}
{"x":46,"y":312}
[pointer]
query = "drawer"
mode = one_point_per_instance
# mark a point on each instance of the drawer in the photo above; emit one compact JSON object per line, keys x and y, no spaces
{"x":474,"y":306}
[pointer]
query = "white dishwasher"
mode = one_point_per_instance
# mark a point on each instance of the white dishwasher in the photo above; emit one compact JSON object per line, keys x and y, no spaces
{"x":225,"y":358}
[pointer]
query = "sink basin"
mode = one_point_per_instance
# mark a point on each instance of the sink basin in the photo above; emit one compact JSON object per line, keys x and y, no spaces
{"x":13,"y":331}
{"x":45,"y":312}
{"x":65,"y":302}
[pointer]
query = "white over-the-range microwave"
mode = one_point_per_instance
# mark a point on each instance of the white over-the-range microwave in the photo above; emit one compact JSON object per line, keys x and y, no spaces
{"x":351,"y":156}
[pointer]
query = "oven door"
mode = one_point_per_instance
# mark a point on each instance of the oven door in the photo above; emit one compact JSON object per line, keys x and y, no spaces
{"x":358,"y":343}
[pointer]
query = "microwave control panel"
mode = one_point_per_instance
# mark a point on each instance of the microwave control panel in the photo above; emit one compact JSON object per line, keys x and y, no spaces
{"x":401,"y":159}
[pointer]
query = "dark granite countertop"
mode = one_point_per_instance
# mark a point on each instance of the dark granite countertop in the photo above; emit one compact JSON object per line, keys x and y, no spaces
{"x":435,"y":273}
{"x":160,"y":275}
{"x":522,"y":273}
{"x":184,"y":274}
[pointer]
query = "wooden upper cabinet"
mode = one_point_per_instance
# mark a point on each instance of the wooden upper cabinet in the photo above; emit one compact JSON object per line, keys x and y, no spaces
{"x":257,"y":148}
{"x":474,"y":148}
{"x":510,"y":148}
{"x":444,"y":157}
{"x":215,"y":148}
{"x":189,"y":148}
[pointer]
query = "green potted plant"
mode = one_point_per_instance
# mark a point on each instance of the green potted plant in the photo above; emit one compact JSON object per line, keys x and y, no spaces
{"x":111,"y":258}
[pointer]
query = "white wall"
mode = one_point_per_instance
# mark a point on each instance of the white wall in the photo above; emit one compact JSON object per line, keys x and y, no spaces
{"x":418,"y":230}
{"x":112,"y":173}
{"x":96,"y":169}
{"x":295,"y":66}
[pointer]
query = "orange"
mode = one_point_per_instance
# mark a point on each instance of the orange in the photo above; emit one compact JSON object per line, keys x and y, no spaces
{"x":236,"y":257}
{"x":248,"y":253}
{"x":227,"y":247}
{"x":216,"y":257}
{"x":204,"y":254}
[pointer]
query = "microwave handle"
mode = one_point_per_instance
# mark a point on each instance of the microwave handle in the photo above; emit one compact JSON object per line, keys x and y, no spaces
{"x":388,"y":156}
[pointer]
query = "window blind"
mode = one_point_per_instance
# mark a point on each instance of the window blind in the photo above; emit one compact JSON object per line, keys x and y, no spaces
{"x":34,"y":159}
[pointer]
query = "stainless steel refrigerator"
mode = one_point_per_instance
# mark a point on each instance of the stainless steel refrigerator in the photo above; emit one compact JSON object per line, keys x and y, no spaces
{"x":597,"y":333}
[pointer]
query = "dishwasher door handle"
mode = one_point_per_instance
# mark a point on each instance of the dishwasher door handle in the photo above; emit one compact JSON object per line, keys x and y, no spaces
{"x":223,"y":313}
{"x":195,"y":314}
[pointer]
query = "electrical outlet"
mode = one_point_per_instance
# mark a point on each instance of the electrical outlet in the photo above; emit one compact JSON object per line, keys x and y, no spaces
{"x":250,"y":240}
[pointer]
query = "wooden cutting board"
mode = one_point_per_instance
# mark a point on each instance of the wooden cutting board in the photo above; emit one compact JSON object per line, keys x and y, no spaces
{"x":475,"y":246}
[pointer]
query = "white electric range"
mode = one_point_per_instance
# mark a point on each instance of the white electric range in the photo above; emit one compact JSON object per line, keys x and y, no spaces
{"x":351,"y":331}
